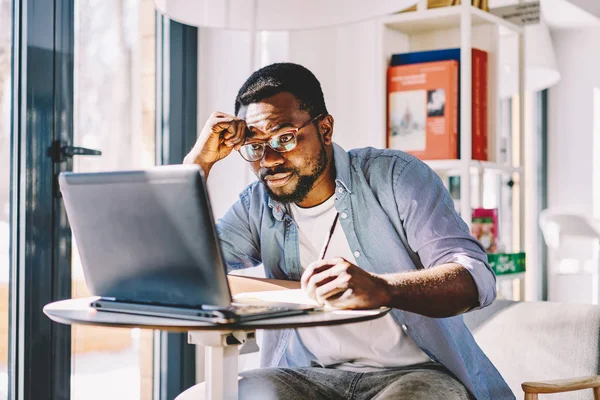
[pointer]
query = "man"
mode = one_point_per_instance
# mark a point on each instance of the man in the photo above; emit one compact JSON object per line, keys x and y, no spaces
{"x":397,"y":241}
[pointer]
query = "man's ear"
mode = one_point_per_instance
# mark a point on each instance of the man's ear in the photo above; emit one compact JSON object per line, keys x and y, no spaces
{"x":326,"y":129}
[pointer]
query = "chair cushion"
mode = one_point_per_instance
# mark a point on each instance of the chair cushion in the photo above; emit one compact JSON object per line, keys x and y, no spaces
{"x":532,"y":341}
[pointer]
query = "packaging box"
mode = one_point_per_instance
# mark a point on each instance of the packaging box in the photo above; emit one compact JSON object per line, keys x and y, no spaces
{"x":507,"y":263}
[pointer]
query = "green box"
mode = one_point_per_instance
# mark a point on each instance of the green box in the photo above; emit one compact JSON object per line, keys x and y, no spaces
{"x":507,"y":263}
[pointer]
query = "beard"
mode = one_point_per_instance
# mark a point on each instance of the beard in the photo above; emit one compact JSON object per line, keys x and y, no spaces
{"x":305,"y":182}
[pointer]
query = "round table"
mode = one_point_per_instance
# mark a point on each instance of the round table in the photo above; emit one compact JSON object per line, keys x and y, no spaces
{"x":221,"y":341}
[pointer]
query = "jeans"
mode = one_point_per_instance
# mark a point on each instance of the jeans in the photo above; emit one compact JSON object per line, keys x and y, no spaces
{"x":428,"y":381}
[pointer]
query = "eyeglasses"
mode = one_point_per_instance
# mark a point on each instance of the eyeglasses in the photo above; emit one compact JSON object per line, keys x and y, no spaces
{"x":281,"y":143}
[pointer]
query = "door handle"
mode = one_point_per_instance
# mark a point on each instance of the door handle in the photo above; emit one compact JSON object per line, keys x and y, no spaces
{"x":70,"y":151}
{"x":59,"y":152}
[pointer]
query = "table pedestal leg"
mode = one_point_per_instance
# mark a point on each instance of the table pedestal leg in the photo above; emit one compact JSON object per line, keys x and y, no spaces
{"x":221,"y":360}
{"x":221,"y":369}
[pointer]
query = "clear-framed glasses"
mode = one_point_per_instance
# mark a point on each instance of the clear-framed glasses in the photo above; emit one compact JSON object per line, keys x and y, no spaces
{"x":281,"y":143}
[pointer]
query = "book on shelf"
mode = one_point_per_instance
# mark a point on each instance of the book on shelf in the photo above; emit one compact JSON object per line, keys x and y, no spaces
{"x":423,"y":109}
{"x":484,"y":228}
{"x":479,"y":91}
{"x":482,"y":4}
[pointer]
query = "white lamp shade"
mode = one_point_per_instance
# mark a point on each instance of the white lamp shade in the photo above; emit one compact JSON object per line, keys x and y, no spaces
{"x":540,"y":59}
{"x":277,"y":14}
{"x":541,"y":70}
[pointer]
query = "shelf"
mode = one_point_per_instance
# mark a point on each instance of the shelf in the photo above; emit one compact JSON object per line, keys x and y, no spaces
{"x":448,"y":166}
{"x":443,"y":18}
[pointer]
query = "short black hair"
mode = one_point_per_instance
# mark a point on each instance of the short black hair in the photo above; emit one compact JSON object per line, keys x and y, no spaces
{"x":283,"y":77}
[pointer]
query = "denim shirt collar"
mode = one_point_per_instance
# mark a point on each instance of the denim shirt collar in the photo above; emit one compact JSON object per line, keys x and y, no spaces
{"x":341,"y":159}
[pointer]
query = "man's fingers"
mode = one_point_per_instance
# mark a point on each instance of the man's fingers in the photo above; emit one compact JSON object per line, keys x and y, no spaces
{"x":315,"y":268}
{"x":333,"y":272}
{"x":240,"y":134}
{"x":223,"y":128}
{"x":307,"y":282}
{"x":332,"y":288}
{"x":221,"y":116}
{"x":232,"y":131}
{"x":342,"y":300}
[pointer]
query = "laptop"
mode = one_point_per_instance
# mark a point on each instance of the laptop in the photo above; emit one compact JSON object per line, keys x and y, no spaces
{"x":148,"y":245}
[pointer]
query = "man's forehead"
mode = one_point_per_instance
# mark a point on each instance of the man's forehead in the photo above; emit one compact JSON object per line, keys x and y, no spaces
{"x":258,"y":115}
{"x":270,"y":119}
{"x":268,"y":126}
{"x":283,"y":105}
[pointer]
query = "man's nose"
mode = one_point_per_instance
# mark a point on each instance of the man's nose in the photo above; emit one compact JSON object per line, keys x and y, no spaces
{"x":271,"y":158}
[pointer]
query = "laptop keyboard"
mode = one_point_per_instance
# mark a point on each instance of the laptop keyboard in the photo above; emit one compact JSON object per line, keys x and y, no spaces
{"x":247,"y":309}
{"x":240,"y":309}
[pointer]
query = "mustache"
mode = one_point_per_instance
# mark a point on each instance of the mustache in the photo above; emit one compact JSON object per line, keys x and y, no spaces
{"x":263,"y":173}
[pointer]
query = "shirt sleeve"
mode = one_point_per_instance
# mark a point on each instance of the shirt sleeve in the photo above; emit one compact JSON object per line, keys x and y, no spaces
{"x":240,"y":245}
{"x":434,"y":229}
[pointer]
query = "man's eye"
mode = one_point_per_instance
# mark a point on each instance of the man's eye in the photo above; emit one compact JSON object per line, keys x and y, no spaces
{"x":286,"y":137}
{"x":255,"y":147}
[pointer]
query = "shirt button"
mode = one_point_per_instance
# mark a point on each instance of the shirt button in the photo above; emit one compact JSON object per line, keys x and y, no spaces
{"x":340,"y":190}
{"x":356,"y":254}
{"x":404,"y":327}
{"x":344,"y":215}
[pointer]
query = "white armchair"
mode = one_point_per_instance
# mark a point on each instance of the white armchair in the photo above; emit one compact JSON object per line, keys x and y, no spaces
{"x":560,"y":227}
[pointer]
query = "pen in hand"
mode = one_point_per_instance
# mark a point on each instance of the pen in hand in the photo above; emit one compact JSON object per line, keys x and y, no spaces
{"x":326,"y":245}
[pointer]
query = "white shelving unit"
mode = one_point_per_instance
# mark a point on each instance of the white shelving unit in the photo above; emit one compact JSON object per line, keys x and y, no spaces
{"x":453,"y":166}
{"x":466,"y":27}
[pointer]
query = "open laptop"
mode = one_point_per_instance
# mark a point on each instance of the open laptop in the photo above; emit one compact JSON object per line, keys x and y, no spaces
{"x":148,"y":245}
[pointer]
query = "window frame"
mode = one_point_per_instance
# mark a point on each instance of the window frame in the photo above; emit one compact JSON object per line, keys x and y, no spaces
{"x":39,"y":349}
{"x":40,"y":238}
{"x":176,"y":132}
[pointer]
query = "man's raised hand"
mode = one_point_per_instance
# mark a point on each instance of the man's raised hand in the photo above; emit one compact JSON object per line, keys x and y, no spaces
{"x":220,"y":135}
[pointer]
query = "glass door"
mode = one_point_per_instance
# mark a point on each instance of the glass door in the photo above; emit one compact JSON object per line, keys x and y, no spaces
{"x":114,"y":110}
{"x":5,"y":162}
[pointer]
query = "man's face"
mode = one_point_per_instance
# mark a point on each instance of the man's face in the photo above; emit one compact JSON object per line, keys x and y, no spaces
{"x":290,"y":176}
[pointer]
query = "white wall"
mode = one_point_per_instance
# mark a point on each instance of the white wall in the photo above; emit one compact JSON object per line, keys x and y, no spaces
{"x":223,"y":66}
{"x":571,"y":178}
{"x":344,"y":59}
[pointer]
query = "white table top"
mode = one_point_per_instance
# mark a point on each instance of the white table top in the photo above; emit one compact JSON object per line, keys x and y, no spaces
{"x":78,"y":311}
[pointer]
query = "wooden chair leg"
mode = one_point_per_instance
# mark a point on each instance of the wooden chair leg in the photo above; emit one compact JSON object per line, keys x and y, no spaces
{"x":531,"y":396}
{"x":596,"y":393}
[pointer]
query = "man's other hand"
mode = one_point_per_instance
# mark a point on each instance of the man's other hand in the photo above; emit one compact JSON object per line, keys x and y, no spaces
{"x":341,"y":284}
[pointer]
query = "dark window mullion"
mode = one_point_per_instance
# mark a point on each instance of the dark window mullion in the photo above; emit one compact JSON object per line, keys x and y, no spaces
{"x":177,"y":68}
{"x":542,"y":144}
{"x":17,"y":174}
{"x":61,"y":240}
{"x":40,"y":359}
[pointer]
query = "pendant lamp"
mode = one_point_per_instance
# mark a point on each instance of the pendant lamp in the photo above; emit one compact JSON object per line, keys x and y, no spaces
{"x":269,"y":15}
{"x":541,"y":68}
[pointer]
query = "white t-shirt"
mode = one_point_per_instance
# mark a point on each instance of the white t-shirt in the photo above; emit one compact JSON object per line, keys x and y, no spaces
{"x":363,"y":346}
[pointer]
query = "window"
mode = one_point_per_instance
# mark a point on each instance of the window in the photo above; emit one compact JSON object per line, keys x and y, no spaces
{"x":114,"y":109}
{"x":5,"y":162}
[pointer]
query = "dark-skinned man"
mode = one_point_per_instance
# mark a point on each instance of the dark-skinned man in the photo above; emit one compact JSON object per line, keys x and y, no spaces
{"x":397,"y":241}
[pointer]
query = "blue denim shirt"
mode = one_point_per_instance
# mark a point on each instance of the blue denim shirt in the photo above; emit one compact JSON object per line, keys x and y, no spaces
{"x":398,"y":217}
